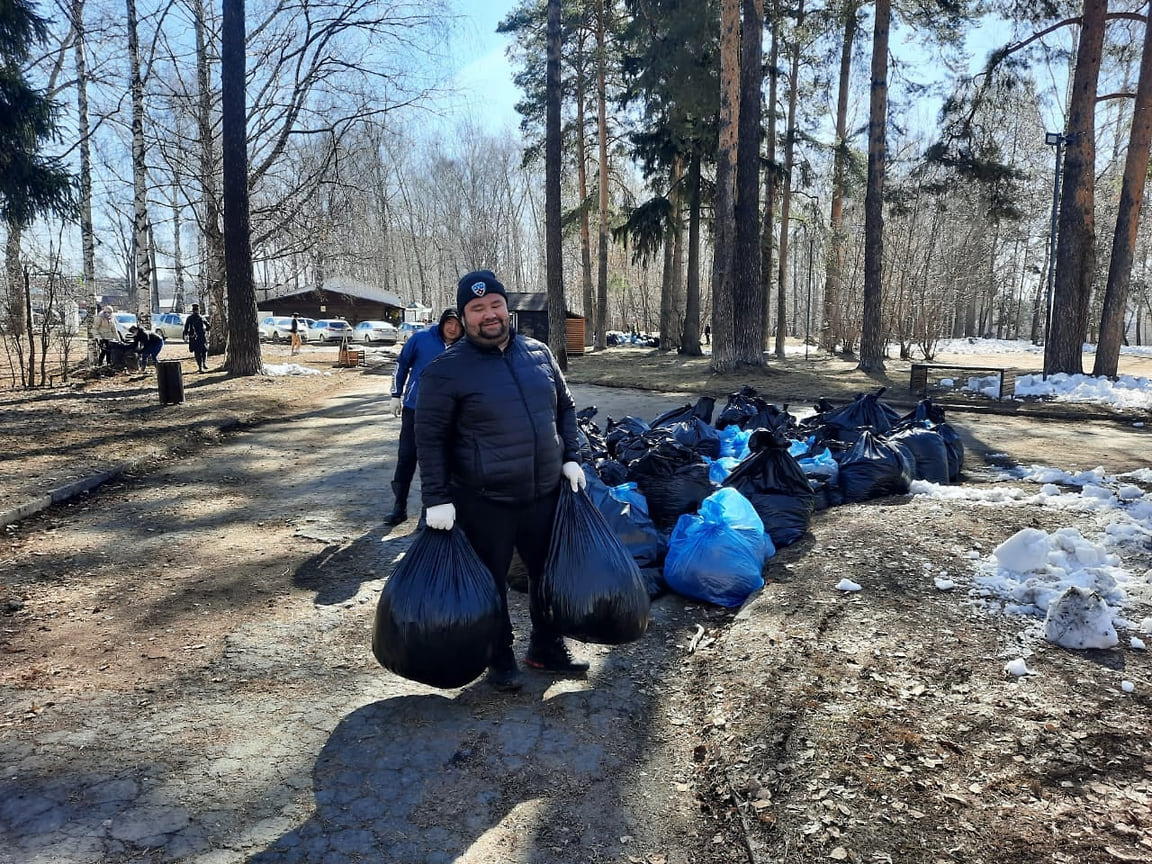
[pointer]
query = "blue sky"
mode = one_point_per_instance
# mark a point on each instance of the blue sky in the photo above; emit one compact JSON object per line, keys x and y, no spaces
{"x":484,"y":76}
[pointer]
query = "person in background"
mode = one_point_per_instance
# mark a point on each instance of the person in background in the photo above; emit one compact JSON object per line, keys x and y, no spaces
{"x":707,"y":334}
{"x":104,"y":331}
{"x":196,"y":335}
{"x":422,"y":348}
{"x":147,"y":345}
{"x":495,"y":438}
{"x":296,"y":343}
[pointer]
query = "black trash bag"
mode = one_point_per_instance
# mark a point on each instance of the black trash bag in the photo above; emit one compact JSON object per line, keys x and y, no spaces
{"x":671,"y":495}
{"x":825,"y":493}
{"x":697,"y":435}
{"x":742,"y":405}
{"x":874,"y":468}
{"x":925,"y":410}
{"x":613,"y":473}
{"x":591,"y":587}
{"x":628,"y":427}
{"x":955,"y":450}
{"x":591,"y":442}
{"x":626,"y":513}
{"x":659,"y":444}
{"x":702,"y":409}
{"x":865,"y":412}
{"x":438,"y":614}
{"x":929,"y":451}
{"x":772,"y":480}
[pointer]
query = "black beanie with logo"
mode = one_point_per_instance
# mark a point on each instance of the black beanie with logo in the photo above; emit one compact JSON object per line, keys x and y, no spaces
{"x":478,"y":283}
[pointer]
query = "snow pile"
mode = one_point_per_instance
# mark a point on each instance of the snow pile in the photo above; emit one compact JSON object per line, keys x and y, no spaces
{"x":1077,"y":584}
{"x":1125,"y":392}
{"x":1032,"y":568}
{"x":283,"y":369}
{"x":1080,"y":618}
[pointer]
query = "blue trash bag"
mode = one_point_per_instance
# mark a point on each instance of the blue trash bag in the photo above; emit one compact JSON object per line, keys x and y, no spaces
{"x":438,"y":614}
{"x":734,"y":441}
{"x":874,"y":468}
{"x":591,"y":587}
{"x":719,"y":469}
{"x":929,"y":450}
{"x":820,"y":466}
{"x":626,"y":512}
{"x":718,"y":555}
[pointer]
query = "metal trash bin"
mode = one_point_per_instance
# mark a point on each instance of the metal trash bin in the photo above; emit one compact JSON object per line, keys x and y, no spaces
{"x":170,"y":382}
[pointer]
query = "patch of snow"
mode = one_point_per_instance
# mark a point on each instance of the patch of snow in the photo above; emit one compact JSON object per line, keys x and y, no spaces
{"x":847,"y":585}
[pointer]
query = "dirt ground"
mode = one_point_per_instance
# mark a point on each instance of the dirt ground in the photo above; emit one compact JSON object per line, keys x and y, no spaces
{"x":205,"y":615}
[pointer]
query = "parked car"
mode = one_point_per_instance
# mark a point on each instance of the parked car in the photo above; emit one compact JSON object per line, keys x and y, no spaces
{"x":123,"y":320}
{"x":278,"y":328}
{"x":375,"y":331}
{"x":331,"y":330}
{"x":407,"y":329}
{"x":169,"y":325}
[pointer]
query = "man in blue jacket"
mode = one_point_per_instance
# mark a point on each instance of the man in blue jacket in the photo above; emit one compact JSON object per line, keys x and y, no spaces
{"x":422,"y":348}
{"x":496,"y":436}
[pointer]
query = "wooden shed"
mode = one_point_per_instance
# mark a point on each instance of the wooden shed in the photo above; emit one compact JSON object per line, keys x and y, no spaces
{"x":529,"y":313}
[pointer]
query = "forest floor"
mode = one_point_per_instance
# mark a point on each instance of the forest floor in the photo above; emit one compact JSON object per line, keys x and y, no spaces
{"x":186,"y":673}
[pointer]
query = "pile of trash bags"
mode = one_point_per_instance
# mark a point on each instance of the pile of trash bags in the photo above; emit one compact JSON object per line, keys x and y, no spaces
{"x":647,"y":478}
{"x":685,"y":502}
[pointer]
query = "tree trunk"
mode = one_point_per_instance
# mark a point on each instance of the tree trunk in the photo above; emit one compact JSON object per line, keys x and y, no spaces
{"x":1127,"y":220}
{"x":690,"y":341}
{"x":1076,"y":233}
{"x":771,"y":177}
{"x":593,"y":326}
{"x":602,"y":129}
{"x":723,"y":341}
{"x":177,"y":256}
{"x":669,"y":335}
{"x":243,"y":324}
{"x":832,"y":333}
{"x":553,"y":242}
{"x":872,"y":331}
{"x":84,"y":181}
{"x":786,"y":197}
{"x":212,"y":239}
{"x":139,"y":178}
{"x":747,"y":287}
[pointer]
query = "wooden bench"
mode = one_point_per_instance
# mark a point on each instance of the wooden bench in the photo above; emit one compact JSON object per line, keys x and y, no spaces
{"x":920,"y":376}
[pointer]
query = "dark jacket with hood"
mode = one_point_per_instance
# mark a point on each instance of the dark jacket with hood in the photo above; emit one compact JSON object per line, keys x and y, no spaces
{"x":497,"y":423}
{"x":422,"y":348}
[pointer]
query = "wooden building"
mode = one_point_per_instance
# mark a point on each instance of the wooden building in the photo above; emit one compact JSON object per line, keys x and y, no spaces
{"x":529,"y":313}
{"x":339,"y":298}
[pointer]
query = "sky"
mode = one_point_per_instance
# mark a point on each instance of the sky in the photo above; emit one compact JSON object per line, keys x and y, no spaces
{"x":484,"y":76}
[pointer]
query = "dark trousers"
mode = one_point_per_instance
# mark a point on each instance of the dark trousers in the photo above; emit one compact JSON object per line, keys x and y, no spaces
{"x":495,"y":530}
{"x":199,"y":348}
{"x":406,"y":458}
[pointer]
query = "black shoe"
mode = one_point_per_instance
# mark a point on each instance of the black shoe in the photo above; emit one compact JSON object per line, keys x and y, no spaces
{"x":398,"y":515}
{"x":551,"y":655}
{"x":503,"y":673}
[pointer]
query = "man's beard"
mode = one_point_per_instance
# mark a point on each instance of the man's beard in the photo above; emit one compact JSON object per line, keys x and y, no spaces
{"x":478,"y":335}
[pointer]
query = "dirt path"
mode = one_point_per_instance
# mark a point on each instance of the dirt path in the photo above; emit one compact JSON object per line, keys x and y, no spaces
{"x":186,"y":677}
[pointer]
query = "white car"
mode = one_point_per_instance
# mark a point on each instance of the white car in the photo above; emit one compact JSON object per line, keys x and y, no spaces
{"x":375,"y":331}
{"x":123,"y":320}
{"x":278,"y":328}
{"x":170,"y":325}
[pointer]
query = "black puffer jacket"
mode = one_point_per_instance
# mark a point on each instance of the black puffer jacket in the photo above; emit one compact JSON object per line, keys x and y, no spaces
{"x":498,"y":423}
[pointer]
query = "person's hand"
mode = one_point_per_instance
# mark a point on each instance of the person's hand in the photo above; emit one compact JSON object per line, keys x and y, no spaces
{"x":574,"y":474}
{"x":397,"y":406}
{"x":441,"y":517}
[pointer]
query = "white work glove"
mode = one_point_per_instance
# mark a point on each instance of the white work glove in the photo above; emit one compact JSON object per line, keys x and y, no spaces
{"x":441,"y":517}
{"x":574,"y":474}
{"x":397,"y":406}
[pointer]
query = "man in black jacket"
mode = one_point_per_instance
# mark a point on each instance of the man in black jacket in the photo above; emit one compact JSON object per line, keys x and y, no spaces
{"x":495,"y":437}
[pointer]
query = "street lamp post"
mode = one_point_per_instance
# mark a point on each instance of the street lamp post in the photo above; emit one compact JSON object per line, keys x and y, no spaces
{"x":1057,"y":140}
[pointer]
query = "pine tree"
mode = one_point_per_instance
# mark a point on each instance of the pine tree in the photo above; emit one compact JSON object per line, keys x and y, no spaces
{"x":31,"y":184}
